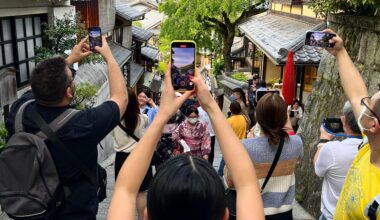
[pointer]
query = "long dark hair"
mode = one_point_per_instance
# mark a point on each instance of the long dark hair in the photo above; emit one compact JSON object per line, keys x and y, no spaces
{"x":242,"y":95}
{"x":271,"y":114}
{"x":131,"y":115}
{"x":186,"y":188}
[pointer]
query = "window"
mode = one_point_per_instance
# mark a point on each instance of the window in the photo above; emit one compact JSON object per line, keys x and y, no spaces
{"x":18,"y":38}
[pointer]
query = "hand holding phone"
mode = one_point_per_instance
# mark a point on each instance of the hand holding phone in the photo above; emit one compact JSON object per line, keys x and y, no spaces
{"x":333,"y":125}
{"x":182,"y":65}
{"x":95,"y":38}
{"x":319,"y":39}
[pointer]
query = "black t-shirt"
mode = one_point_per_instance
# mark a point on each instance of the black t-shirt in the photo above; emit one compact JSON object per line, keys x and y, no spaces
{"x":80,"y":135}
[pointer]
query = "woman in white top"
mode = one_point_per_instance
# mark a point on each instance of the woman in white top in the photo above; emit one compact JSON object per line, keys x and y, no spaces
{"x":295,"y":113}
{"x":126,"y":136}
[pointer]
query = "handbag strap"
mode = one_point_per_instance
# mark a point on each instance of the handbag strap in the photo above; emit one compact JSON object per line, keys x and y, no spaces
{"x":274,"y":163}
{"x":129,"y":134}
{"x":47,"y":130}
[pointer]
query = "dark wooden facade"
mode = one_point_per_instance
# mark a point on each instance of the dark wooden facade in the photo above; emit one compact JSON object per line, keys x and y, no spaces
{"x":89,"y":11}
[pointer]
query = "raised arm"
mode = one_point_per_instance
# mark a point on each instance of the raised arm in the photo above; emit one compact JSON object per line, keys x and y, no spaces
{"x":135,"y":167}
{"x":249,"y":202}
{"x":79,"y":52}
{"x":351,"y":80}
{"x":118,"y":89}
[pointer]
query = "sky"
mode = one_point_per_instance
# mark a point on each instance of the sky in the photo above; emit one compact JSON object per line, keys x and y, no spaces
{"x":183,"y":56}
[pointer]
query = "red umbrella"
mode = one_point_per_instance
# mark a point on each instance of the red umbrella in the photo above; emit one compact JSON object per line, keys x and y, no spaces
{"x":288,"y":82}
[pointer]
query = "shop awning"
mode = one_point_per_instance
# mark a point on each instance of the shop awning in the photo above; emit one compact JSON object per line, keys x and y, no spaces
{"x":149,"y":53}
{"x":141,"y":34}
{"x":120,"y":53}
{"x":276,"y":33}
{"x":136,"y":72}
{"x":127,"y":12}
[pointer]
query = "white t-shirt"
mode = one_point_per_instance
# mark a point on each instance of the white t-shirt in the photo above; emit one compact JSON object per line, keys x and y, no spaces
{"x":203,"y":116}
{"x":333,"y":162}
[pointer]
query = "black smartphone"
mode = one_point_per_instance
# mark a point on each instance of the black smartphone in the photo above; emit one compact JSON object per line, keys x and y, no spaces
{"x":333,"y":125}
{"x":319,"y":39}
{"x":261,"y":93}
{"x":182,"y":65}
{"x":95,"y":38}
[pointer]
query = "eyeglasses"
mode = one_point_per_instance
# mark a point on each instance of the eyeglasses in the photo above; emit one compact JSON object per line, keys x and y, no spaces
{"x":365,"y":101}
{"x":73,"y":74}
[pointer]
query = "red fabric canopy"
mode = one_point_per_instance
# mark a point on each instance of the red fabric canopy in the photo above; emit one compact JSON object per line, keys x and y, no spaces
{"x":288,"y":81}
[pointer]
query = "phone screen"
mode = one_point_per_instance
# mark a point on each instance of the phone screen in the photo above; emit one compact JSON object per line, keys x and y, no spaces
{"x":261,"y":93}
{"x":95,"y":38}
{"x":183,"y":65}
{"x":319,"y":39}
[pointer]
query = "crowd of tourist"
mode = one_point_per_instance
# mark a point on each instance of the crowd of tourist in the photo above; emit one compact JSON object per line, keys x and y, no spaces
{"x":258,"y":140}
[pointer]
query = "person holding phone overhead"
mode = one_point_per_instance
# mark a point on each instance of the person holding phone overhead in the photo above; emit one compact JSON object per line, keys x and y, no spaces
{"x":187,"y":187}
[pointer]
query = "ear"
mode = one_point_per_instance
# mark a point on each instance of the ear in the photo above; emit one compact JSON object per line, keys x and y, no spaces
{"x":375,"y":127}
{"x":69,"y":93}
{"x":146,"y":217}
{"x":343,"y":119}
{"x":226,"y":214}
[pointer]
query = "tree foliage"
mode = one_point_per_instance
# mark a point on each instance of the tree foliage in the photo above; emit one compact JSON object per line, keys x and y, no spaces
{"x":212,"y":23}
{"x":85,"y":95}
{"x":62,"y":35}
{"x":352,"y":7}
{"x":3,"y":135}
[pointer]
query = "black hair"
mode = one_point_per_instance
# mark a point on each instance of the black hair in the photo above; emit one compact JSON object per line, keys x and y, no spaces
{"x":191,"y":109}
{"x":186,"y":188}
{"x":263,"y":84}
{"x":145,"y":91}
{"x":235,"y":108}
{"x":242,"y":94}
{"x":49,"y":80}
{"x":131,"y":115}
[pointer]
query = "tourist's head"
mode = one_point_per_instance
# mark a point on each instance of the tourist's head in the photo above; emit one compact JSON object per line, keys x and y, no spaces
{"x":132,"y":112}
{"x":349,"y":120}
{"x":271,"y":114}
{"x":53,"y":82}
{"x":235,"y":108}
{"x":187,"y":188}
{"x":192,"y":114}
{"x":142,"y":97}
{"x":296,"y":104}
{"x":369,"y":117}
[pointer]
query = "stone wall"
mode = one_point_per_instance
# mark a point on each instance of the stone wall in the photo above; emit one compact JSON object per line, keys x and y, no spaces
{"x":362,"y":40}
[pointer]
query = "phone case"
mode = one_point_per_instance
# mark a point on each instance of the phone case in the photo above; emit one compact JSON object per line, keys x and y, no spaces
{"x":195,"y":49}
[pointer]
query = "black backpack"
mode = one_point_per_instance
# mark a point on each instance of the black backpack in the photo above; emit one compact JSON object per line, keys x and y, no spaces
{"x":29,"y":182}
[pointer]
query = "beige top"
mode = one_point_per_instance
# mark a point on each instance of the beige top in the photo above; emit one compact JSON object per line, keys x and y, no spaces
{"x":125,"y":143}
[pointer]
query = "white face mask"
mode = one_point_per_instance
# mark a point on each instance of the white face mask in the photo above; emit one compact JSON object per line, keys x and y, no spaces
{"x":362,"y":113}
{"x":192,"y":120}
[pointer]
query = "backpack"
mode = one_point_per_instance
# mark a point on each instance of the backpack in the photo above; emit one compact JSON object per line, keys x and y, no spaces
{"x":29,"y":182}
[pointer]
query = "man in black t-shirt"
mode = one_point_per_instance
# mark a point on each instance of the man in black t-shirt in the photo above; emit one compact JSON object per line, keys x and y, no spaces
{"x":53,"y":88}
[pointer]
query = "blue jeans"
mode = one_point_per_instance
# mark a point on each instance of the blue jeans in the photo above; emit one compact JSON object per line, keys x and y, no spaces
{"x":221,"y":167}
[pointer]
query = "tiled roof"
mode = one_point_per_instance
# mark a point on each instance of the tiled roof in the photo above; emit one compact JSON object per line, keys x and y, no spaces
{"x":127,"y":12}
{"x":120,"y":53}
{"x":307,"y":54}
{"x":275,"y":34}
{"x":136,"y":73}
{"x":149,"y":52}
{"x":141,"y":34}
{"x":152,"y":19}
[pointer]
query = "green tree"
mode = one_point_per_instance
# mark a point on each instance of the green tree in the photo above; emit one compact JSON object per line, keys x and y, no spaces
{"x":353,"y":7}
{"x":62,"y":35}
{"x":211,"y":23}
{"x":85,"y":95}
{"x":3,"y":135}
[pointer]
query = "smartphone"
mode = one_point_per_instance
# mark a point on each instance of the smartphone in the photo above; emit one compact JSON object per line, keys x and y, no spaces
{"x":182,"y":65}
{"x":319,"y":39}
{"x":261,"y":93}
{"x":333,"y":125}
{"x":95,"y":38}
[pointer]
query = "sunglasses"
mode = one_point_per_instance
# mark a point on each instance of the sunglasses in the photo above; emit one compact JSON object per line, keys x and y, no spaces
{"x":365,"y":102}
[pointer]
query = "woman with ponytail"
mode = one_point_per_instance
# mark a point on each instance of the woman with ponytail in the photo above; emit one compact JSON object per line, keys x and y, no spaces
{"x":279,"y":192}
